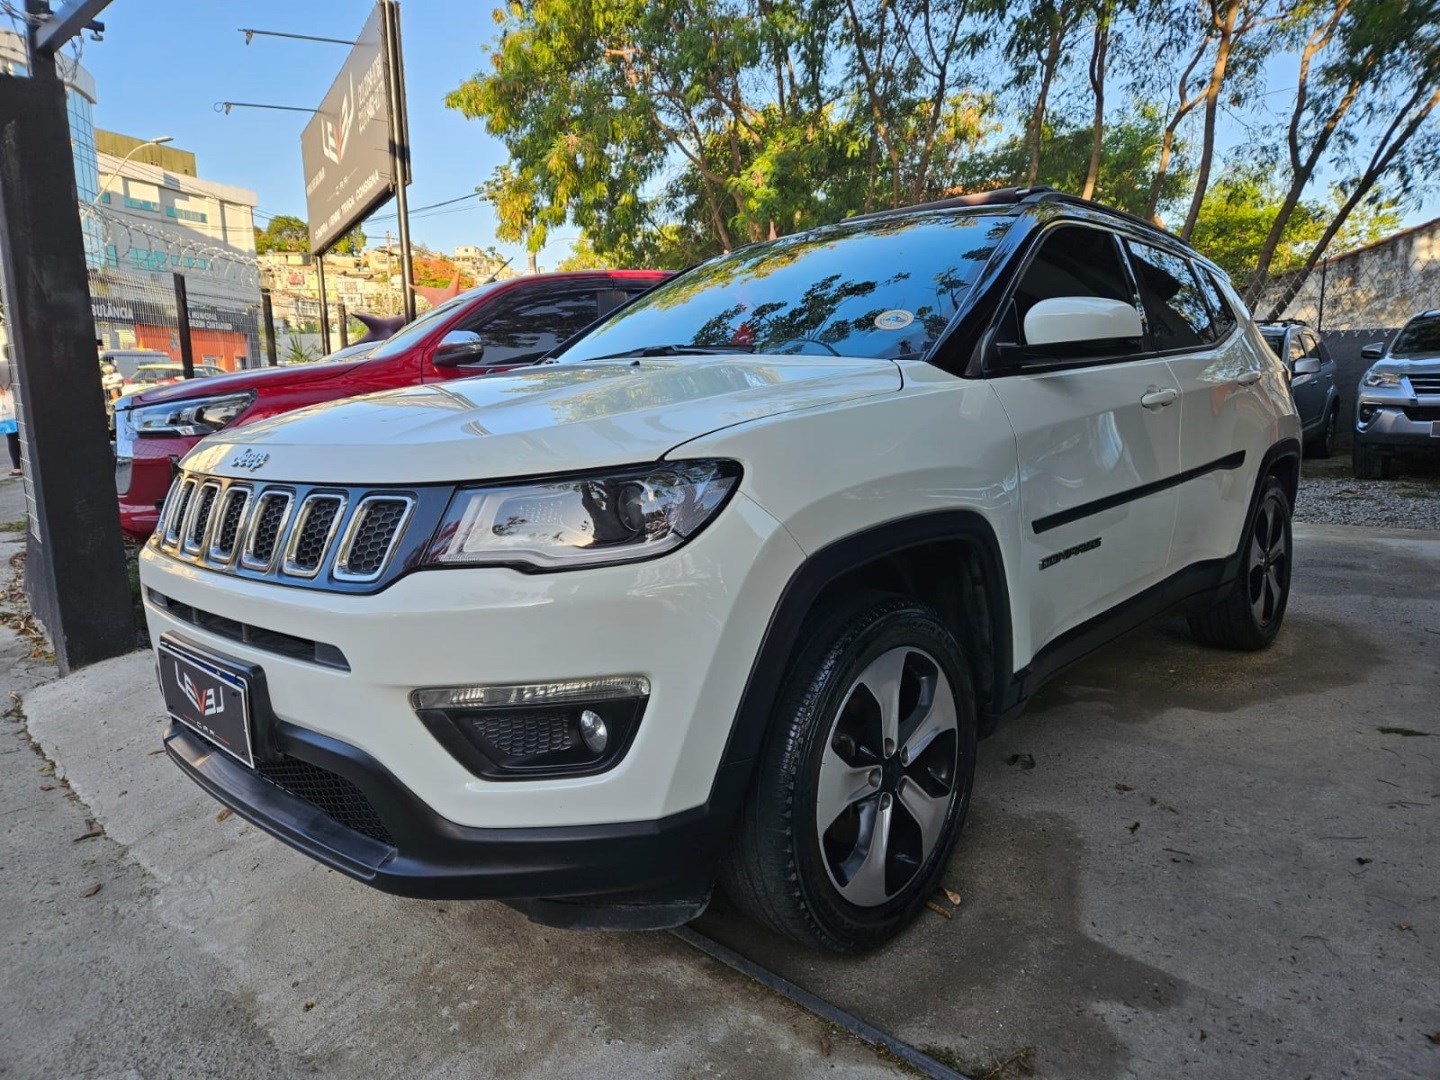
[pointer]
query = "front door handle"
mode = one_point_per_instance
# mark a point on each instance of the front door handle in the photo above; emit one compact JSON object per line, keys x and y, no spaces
{"x":1249,"y":378}
{"x":1157,"y":399}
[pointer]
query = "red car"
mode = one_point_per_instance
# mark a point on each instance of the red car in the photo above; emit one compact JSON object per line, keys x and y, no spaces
{"x":494,"y":327}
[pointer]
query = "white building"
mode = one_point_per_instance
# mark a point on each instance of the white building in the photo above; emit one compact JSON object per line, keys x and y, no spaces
{"x":160,"y":219}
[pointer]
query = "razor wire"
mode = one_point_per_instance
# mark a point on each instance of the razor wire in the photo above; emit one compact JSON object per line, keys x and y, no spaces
{"x":117,"y":239}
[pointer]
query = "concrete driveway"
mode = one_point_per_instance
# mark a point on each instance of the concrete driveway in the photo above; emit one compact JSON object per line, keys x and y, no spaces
{"x":1179,"y":863}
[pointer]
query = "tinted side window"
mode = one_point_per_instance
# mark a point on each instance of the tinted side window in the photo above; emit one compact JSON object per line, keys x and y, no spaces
{"x":1297,"y":348}
{"x":535,"y":327}
{"x":1222,"y":317}
{"x":1175,"y":308}
{"x":1072,"y":261}
{"x":1312,"y":346}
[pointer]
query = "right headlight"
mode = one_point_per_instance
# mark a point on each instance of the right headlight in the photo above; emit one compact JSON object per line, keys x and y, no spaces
{"x":584,"y":520}
{"x":1389,"y":379}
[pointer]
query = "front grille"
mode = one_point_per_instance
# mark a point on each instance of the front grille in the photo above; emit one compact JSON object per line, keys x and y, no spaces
{"x":372,"y":534}
{"x":180,"y":496}
{"x":1425,"y":384}
{"x":335,"y":538}
{"x":1422,"y":413}
{"x":314,"y":529}
{"x":232,"y":513}
{"x":264,"y":535}
{"x":328,"y":792}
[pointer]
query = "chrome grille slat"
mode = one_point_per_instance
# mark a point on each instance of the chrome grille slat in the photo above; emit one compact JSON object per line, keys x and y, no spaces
{"x":197,"y":521}
{"x":267,"y":525}
{"x":290,"y":533}
{"x":370,"y":538}
{"x":310,"y":537}
{"x":1425,"y":384}
{"x":230,"y":518}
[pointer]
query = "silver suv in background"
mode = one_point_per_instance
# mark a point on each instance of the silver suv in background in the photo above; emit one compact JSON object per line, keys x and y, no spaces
{"x":1397,"y":411}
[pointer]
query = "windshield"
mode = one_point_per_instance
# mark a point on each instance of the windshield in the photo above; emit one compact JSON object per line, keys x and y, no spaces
{"x":157,"y":374}
{"x":412,"y":332}
{"x":1276,"y":343}
{"x":882,"y":288}
{"x":1420,"y":338}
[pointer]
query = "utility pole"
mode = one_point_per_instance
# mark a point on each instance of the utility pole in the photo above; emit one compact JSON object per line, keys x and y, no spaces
{"x":399,"y":146}
{"x":74,"y":568}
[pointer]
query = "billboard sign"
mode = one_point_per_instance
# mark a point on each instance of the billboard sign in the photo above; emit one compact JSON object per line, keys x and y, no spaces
{"x":345,"y":149}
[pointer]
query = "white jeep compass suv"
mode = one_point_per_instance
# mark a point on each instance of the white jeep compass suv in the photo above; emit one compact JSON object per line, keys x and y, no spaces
{"x":727,"y":590}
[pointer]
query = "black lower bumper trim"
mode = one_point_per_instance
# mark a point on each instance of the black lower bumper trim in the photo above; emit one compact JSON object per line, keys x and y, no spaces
{"x":670,"y":859}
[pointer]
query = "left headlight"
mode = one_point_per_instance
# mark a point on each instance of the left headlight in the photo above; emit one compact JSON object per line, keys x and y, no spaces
{"x":1382,"y":378}
{"x":197,"y":416}
{"x":583,"y":520}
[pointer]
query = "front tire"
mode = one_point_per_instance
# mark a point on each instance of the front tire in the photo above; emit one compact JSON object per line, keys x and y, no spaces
{"x":864,"y":781}
{"x":1249,"y":616}
{"x":1324,"y":444}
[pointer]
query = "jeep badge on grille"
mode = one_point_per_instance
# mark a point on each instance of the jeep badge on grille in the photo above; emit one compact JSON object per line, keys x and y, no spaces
{"x":249,"y":460}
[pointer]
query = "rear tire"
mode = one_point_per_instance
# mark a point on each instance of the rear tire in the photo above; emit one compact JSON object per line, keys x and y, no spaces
{"x":1249,"y":616}
{"x":846,"y":830}
{"x":1324,"y":444}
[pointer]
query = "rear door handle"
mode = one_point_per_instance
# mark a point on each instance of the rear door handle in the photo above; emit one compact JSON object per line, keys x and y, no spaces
{"x":1249,"y":378}
{"x":1158,"y":399}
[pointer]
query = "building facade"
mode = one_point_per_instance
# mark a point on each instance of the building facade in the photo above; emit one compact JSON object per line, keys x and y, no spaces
{"x":160,"y":218}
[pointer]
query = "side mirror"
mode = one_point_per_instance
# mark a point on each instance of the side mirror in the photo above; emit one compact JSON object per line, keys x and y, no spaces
{"x":457,"y":348}
{"x":1374,"y":351}
{"x":1307,"y":365}
{"x":1066,"y":319}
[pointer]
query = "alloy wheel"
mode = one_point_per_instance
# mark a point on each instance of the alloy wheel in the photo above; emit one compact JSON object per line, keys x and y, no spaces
{"x":887,"y":777}
{"x":1268,"y":574}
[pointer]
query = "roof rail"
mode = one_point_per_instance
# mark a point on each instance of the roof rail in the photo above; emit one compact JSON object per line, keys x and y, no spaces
{"x":998,"y":197}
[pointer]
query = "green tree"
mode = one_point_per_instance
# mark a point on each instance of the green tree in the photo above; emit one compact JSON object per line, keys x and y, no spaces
{"x":284,"y":233}
{"x":514,"y":196}
{"x":583,"y":256}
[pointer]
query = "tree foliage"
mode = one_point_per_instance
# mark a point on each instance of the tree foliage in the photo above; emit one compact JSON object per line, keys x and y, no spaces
{"x":289,"y":233}
{"x":672,"y":129}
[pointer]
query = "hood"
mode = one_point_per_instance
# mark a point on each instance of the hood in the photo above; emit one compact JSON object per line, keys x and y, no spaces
{"x":1427,"y":365}
{"x":545,"y":419}
{"x":235,"y":382}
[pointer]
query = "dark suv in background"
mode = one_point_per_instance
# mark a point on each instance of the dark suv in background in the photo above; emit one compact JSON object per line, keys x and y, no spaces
{"x":1312,"y":382}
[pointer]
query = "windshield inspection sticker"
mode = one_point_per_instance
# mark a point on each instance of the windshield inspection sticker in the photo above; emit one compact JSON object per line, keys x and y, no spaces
{"x":894,"y":319}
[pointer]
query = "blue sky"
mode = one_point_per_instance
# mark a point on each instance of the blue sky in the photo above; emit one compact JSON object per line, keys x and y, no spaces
{"x":163,"y":64}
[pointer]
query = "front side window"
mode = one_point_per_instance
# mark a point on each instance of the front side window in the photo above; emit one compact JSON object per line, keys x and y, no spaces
{"x":1297,"y":349}
{"x":1420,"y":339}
{"x":883,"y":287}
{"x":534,"y":328}
{"x":1071,"y":261}
{"x":1175,"y":308}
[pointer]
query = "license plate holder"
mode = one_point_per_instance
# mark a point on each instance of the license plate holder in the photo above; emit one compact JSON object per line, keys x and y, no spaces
{"x":209,"y":697}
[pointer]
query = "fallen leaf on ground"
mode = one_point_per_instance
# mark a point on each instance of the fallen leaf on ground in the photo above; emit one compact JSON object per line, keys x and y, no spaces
{"x":824,"y":1044}
{"x":1025,"y":761}
{"x":92,"y":890}
{"x":954,"y":897}
{"x":1133,"y":826}
{"x":1362,"y":860}
{"x":90,"y":834}
{"x":1403,"y":926}
{"x":309,"y":1005}
{"x":937,"y":909}
{"x":1434,"y":1037}
{"x":223,"y":814}
{"x":1123,"y":787}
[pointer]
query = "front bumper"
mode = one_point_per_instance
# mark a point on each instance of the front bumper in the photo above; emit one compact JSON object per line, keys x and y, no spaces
{"x":690,"y":622}
{"x":418,"y":853}
{"x":1398,"y":421}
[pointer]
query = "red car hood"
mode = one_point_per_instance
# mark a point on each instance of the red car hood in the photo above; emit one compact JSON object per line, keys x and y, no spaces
{"x":237,"y":381}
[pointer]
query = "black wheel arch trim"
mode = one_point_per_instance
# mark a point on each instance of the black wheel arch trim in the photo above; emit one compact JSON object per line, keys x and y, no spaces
{"x":829,"y":564}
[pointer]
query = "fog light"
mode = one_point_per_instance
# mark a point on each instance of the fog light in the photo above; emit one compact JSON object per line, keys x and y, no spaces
{"x":536,"y":730}
{"x":1367,"y":413}
{"x":594,"y":731}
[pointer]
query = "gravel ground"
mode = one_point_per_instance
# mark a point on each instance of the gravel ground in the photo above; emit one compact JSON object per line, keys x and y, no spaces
{"x":1330,"y":495}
